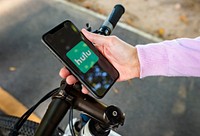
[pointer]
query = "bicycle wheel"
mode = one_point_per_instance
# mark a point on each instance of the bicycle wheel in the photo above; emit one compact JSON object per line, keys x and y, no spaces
{"x":28,"y":129}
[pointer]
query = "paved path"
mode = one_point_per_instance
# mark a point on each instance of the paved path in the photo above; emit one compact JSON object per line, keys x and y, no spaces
{"x":155,"y":106}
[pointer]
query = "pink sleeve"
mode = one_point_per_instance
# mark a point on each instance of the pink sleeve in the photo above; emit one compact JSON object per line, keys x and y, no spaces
{"x":180,"y":57}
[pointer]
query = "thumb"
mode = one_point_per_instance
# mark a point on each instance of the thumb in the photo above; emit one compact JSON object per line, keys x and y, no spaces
{"x":94,"y":38}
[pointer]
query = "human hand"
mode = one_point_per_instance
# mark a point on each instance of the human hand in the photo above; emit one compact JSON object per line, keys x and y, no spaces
{"x":122,"y":55}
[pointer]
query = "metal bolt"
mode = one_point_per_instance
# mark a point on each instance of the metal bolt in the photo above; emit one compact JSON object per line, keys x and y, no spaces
{"x":114,"y":113}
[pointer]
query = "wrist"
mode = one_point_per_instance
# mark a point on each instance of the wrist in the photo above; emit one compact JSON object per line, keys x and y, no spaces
{"x":136,"y":62}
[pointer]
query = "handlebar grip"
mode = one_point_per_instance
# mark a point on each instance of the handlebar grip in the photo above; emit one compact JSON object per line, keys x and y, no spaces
{"x":116,"y":14}
{"x":111,"y":21}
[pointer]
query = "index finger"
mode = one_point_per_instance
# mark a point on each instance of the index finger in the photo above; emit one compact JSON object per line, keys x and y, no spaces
{"x":94,"y":38}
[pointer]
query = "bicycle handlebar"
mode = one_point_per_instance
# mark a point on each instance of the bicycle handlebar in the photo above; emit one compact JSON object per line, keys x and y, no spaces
{"x":116,"y":14}
{"x":111,"y":21}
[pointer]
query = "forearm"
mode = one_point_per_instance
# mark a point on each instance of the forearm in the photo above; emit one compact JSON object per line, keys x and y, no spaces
{"x":180,"y":57}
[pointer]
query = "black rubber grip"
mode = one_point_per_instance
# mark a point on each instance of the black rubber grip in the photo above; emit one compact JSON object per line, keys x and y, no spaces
{"x":116,"y":14}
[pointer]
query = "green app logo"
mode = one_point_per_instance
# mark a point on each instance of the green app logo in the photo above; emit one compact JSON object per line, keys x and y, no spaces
{"x":82,"y":56}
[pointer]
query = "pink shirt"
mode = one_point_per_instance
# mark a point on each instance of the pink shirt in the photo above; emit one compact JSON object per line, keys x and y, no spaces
{"x":179,"y":57}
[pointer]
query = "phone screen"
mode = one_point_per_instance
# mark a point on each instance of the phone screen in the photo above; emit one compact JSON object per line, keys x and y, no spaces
{"x":81,"y":57}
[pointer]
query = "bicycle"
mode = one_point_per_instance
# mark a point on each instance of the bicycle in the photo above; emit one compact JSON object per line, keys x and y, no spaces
{"x":98,"y":119}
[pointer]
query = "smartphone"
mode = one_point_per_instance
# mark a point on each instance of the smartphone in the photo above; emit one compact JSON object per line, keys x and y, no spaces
{"x":81,"y":58}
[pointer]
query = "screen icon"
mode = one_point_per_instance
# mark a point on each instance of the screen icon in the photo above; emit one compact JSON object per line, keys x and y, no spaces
{"x":82,"y":56}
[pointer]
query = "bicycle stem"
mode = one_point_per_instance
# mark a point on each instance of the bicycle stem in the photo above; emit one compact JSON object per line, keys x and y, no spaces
{"x":108,"y":116}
